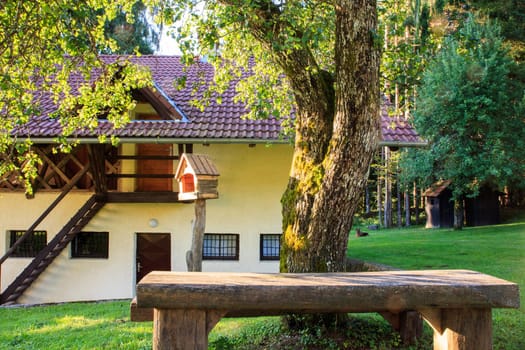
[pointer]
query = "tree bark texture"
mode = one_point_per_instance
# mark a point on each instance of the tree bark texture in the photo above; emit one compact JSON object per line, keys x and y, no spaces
{"x":407,"y":209}
{"x":194,"y":256}
{"x":388,"y":191}
{"x":336,"y":135}
{"x":458,"y":214}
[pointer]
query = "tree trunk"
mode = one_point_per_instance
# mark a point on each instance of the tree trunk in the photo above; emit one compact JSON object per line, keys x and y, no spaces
{"x":416,"y":203}
{"x":194,"y":256}
{"x":388,"y":191}
{"x":336,"y":136}
{"x":380,"y":191}
{"x":399,"y":199}
{"x":367,"y":199}
{"x":407,"y":209}
{"x":458,"y":214}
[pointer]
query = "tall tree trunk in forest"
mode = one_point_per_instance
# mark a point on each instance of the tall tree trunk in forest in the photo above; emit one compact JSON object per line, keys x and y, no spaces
{"x":388,"y":191}
{"x":367,"y":199}
{"x":399,"y":199}
{"x":458,"y":214}
{"x":337,"y":128}
{"x":407,"y":209}
{"x":416,"y":203}
{"x":380,"y":191}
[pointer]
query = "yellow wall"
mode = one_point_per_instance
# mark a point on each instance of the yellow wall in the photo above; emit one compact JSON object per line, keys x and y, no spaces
{"x":251,"y":182}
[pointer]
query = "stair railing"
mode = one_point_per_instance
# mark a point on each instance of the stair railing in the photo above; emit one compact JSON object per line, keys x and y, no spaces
{"x":31,"y":229}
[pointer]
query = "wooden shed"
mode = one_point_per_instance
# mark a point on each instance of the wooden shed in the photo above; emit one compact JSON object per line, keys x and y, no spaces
{"x":438,"y":205}
{"x":483,"y":209}
{"x":197,"y":177}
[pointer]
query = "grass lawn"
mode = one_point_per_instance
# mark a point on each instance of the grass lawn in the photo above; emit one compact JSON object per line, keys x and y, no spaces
{"x":495,"y":250}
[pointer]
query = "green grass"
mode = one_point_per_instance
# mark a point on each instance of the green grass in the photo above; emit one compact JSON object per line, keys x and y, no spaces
{"x":495,"y":250}
{"x":73,"y":326}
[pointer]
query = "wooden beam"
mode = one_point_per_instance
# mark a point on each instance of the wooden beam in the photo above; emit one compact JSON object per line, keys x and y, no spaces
{"x":143,"y":197}
{"x":392,"y":291}
{"x":147,"y":157}
{"x":97,"y":159}
{"x":139,"y":176}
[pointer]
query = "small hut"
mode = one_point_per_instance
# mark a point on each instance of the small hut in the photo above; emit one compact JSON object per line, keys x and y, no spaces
{"x":438,"y":205}
{"x":197,"y":177}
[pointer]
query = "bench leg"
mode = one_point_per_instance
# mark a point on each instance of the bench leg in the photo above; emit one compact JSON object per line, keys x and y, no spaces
{"x":408,"y":324}
{"x":175,"y":329}
{"x":461,"y":329}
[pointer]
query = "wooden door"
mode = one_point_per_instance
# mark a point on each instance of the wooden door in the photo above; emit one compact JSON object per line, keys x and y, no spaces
{"x":154,"y":166}
{"x":153,"y":253}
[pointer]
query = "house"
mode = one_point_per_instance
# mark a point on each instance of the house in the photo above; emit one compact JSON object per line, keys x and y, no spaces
{"x":104,"y":216}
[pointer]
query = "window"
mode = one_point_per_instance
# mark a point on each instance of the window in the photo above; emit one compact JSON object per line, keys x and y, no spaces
{"x":31,"y":246}
{"x":220,"y":246}
{"x":90,"y":245}
{"x":270,"y":246}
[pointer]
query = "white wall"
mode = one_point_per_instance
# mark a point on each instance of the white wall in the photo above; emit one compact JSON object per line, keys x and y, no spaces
{"x":250,"y":186}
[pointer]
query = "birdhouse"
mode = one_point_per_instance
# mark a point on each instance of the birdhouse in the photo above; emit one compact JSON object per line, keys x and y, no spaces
{"x":197,"y":177}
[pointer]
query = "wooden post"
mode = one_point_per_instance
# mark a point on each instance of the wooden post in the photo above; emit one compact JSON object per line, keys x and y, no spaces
{"x":461,"y":329}
{"x":181,"y":329}
{"x":194,"y":256}
{"x":408,"y":324}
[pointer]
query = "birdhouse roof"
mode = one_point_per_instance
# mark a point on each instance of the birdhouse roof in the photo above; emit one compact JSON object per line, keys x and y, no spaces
{"x":199,"y":164}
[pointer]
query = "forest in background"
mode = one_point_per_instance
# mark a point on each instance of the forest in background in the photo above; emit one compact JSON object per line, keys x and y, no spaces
{"x":414,"y":32}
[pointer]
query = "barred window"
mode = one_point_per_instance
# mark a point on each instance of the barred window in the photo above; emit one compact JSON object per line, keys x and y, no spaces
{"x":220,"y":246}
{"x":31,"y":246}
{"x":90,"y":245}
{"x":270,"y":245}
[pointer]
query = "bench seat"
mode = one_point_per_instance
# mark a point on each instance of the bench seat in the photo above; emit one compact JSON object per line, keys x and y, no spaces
{"x":456,"y":303}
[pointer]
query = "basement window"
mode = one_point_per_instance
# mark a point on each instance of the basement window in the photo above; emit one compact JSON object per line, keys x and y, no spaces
{"x":31,"y":246}
{"x":90,"y":245}
{"x":220,"y":246}
{"x":270,"y":246}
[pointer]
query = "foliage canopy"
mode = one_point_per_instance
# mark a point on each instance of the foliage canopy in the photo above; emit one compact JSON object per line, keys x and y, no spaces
{"x":469,"y":110}
{"x":43,"y":43}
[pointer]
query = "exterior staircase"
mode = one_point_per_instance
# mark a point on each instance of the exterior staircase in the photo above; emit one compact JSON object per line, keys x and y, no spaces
{"x":52,"y":250}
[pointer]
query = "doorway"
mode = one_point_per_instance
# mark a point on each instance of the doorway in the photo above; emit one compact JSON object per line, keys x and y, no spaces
{"x":153,"y":253}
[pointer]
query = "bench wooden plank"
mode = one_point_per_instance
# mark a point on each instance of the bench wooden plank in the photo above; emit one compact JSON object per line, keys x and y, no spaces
{"x":391,"y":291}
{"x":457,"y":303}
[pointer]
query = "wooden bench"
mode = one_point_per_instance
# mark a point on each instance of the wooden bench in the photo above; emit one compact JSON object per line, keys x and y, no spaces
{"x":456,"y":303}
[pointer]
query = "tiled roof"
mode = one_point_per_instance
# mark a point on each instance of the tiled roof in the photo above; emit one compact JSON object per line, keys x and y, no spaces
{"x":216,"y":123}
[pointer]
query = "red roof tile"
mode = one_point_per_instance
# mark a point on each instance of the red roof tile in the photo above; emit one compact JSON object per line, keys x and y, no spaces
{"x":218,"y":122}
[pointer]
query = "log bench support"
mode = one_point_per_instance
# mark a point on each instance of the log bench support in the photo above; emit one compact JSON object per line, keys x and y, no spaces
{"x":175,"y":329}
{"x":460,"y":328}
{"x":456,"y":303}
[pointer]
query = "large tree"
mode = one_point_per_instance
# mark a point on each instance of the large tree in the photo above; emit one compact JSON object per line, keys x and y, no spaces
{"x":469,"y":111}
{"x":324,"y":58}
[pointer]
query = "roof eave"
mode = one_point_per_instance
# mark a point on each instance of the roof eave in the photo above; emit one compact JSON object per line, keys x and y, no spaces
{"x":403,"y":144}
{"x":92,"y":140}
{"x":205,"y":140}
